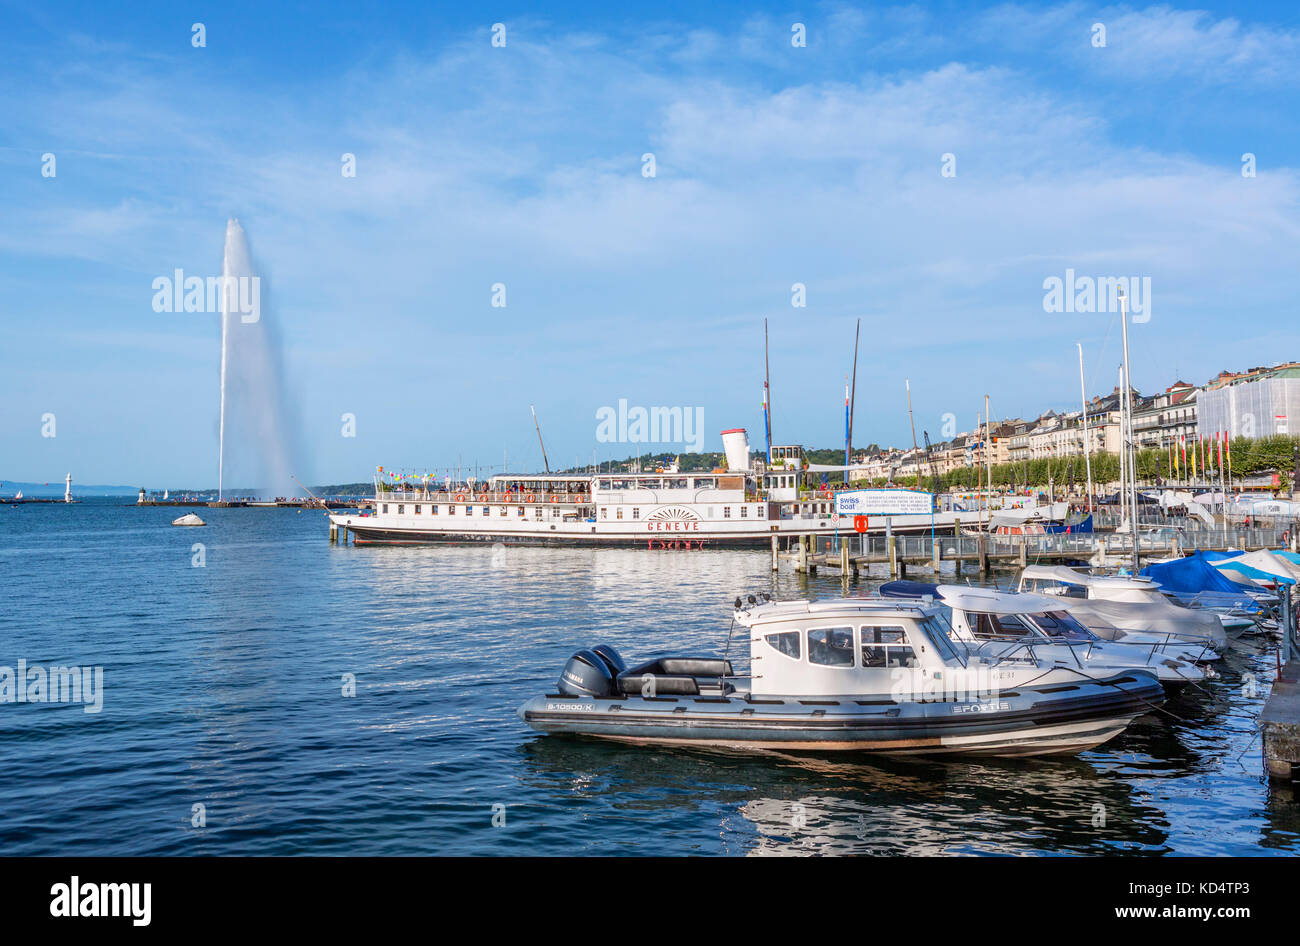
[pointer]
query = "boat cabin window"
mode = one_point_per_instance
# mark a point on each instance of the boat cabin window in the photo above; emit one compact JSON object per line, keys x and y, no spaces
{"x":433,"y":510}
{"x":1051,"y":586}
{"x":831,"y":646}
{"x":1059,"y":625}
{"x":606,"y":484}
{"x":785,"y":642}
{"x":677,"y":482}
{"x":385,"y":508}
{"x":417,"y":510}
{"x":994,"y":626}
{"x":886,"y":647}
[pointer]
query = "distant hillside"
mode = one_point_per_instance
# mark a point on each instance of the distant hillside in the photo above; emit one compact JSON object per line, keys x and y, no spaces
{"x":55,"y":488}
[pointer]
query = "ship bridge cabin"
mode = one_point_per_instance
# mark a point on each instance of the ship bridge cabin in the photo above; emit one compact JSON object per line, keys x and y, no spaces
{"x":785,"y":474}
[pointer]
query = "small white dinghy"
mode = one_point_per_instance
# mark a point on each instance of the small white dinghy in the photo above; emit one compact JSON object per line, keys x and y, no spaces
{"x":189,"y":519}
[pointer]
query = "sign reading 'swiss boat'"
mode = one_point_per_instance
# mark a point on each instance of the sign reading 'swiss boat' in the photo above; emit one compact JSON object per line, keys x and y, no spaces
{"x":884,"y":502}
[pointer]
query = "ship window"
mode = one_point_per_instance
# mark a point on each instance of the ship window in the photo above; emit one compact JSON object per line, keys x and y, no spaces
{"x":618,"y":513}
{"x":785,"y":642}
{"x":678,"y":482}
{"x":469,"y":510}
{"x":726,"y":512}
{"x":433,"y":510}
{"x":521,"y":510}
{"x":605,"y":484}
{"x":886,"y":647}
{"x":400,"y":509}
{"x":761,"y":511}
{"x":938,"y":630}
{"x":417,"y":510}
{"x":604,"y":512}
{"x":744,"y":512}
{"x":385,"y":509}
{"x":451,"y":510}
{"x":636,"y":513}
{"x":503,"y":511}
{"x":537,"y":513}
{"x":831,"y":646}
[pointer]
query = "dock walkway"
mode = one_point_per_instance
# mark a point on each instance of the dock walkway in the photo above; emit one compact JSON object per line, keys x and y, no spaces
{"x":851,"y":553}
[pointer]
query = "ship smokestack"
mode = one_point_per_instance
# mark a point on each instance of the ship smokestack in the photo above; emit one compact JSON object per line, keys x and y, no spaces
{"x":736,"y":443}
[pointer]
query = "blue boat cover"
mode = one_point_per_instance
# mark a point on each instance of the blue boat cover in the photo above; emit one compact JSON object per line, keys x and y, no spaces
{"x":909,"y":589}
{"x":1192,"y":574}
{"x":1082,"y":526}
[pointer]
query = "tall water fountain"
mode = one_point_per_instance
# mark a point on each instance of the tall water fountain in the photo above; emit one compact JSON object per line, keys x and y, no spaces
{"x":255,"y":441}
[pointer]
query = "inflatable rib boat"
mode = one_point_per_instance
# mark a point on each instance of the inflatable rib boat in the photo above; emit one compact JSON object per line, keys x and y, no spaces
{"x":859,"y":674}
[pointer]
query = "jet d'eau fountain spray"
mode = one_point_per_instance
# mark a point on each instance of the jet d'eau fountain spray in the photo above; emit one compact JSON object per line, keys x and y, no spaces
{"x":255,"y":440}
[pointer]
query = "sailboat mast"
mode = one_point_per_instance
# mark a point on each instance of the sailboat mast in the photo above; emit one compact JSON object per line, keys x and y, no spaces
{"x":908,"y":382}
{"x":853,"y":391}
{"x":767,"y":396}
{"x":1087,"y":452}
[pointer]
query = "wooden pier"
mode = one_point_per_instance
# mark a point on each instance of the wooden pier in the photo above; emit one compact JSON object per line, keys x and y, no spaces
{"x":851,"y":554}
{"x":1279,"y":722}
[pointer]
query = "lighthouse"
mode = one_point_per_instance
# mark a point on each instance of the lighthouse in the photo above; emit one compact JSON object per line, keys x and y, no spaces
{"x":67,"y":489}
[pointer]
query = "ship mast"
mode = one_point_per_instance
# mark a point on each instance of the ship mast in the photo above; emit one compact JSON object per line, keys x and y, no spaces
{"x":545,"y":462}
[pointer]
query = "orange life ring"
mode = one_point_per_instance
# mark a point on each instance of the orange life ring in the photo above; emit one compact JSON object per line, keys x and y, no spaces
{"x":530,"y":498}
{"x":482,"y":497}
{"x":460,"y":497}
{"x":554,"y":498}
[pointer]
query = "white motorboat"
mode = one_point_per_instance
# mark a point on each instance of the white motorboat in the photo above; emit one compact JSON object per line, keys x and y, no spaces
{"x":1031,"y":627}
{"x":1118,"y":607}
{"x":856,"y":674}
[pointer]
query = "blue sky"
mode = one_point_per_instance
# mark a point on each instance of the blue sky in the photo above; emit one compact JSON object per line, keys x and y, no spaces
{"x":522,"y":165}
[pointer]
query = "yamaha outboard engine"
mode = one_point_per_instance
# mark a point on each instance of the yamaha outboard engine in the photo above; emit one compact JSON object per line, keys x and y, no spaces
{"x":586,"y":674}
{"x":613,"y":660}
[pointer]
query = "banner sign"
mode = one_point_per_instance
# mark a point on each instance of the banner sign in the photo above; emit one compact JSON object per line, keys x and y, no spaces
{"x":884,"y":502}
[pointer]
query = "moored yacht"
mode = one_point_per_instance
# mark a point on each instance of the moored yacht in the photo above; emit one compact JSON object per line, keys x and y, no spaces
{"x":1118,"y":607}
{"x":1031,"y":627}
{"x":855,"y":674}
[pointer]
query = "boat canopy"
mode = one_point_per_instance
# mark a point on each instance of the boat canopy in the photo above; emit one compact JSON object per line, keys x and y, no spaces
{"x":1193,"y":574}
{"x":1071,"y":576}
{"x":991,"y":601}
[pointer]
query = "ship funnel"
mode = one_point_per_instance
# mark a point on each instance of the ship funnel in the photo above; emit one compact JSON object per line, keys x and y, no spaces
{"x":736,"y":443}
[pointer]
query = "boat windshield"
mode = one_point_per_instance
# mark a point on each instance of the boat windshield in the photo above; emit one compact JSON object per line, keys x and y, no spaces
{"x":1060,"y":626}
{"x":939,"y":631}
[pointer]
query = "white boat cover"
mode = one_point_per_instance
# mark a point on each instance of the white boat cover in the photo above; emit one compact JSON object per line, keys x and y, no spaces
{"x":1159,"y":616}
{"x":1264,"y":561}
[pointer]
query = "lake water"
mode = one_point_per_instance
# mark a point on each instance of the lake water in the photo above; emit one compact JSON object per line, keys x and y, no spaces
{"x":223,"y":688}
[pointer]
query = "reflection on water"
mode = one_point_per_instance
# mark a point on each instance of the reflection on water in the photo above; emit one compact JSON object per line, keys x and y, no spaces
{"x":224,"y":687}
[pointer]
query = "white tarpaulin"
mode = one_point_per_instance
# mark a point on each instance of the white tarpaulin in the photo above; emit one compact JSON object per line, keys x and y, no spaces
{"x":884,"y":502}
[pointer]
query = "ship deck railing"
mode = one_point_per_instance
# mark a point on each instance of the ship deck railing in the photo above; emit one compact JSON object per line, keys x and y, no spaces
{"x":467,"y":496}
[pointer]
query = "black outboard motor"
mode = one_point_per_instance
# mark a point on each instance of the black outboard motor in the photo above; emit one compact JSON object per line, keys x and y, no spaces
{"x":613,"y":660}
{"x":586,"y":674}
